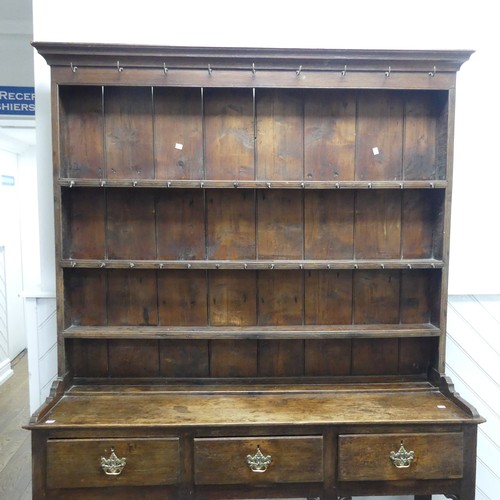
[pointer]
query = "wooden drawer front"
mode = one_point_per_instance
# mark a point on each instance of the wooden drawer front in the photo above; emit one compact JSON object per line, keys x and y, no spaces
{"x":76,"y":463}
{"x":367,"y":457}
{"x":224,"y":460}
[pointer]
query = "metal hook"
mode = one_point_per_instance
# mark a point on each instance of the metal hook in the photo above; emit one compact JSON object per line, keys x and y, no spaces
{"x":433,"y":72}
{"x":268,"y":184}
{"x":134,"y":183}
{"x":388,"y":72}
{"x":253,"y":68}
{"x":235,"y":184}
{"x":73,"y":68}
{"x":71,"y":184}
{"x":103,"y":183}
{"x":209,"y":70}
{"x":299,"y":70}
{"x":118,"y":67}
{"x":165,"y":69}
{"x":344,"y":71}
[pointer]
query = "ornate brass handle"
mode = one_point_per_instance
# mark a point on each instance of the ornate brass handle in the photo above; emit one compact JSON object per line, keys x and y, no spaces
{"x":259,"y":462}
{"x":113,"y":466}
{"x":402,"y":459}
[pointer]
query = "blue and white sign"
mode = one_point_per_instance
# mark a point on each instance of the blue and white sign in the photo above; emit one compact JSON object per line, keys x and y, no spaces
{"x":8,"y":180}
{"x":19,"y":101}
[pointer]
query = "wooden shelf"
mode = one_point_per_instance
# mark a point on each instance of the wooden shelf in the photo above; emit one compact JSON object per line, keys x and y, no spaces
{"x":255,"y":184}
{"x":260,"y":265}
{"x":253,"y":332}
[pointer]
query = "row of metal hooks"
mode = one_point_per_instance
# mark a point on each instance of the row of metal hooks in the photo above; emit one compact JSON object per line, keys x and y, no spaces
{"x":161,"y":265}
{"x":343,"y":72}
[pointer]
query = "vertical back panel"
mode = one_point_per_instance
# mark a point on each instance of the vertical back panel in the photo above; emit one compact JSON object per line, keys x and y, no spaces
{"x":84,"y":218}
{"x":380,"y":135}
{"x":131,"y":231}
{"x":376,"y":297}
{"x":375,"y":356}
{"x":133,"y":358}
{"x":231,"y":224}
{"x":229,"y":134}
{"x":330,"y":135}
{"x":327,"y":357}
{"x":178,"y":133}
{"x":233,"y":358}
{"x":281,"y":298}
{"x":180,"y":224}
{"x":328,"y":224}
{"x":280,"y":224}
{"x":181,"y":358}
{"x":281,"y":358}
{"x":89,"y":357}
{"x":182,"y":297}
{"x":232,"y":298}
{"x":81,"y":132}
{"x":328,"y":297}
{"x":279,"y":124}
{"x":419,"y":155}
{"x":129,"y":132}
{"x":132,"y":298}
{"x":377,"y":228}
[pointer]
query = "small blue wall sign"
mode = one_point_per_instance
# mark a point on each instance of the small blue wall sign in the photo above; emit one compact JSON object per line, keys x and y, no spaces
{"x":8,"y":180}
{"x":19,"y":101}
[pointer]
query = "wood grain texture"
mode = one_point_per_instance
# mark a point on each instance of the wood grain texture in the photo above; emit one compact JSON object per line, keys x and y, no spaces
{"x":329,"y":135}
{"x":128,"y":115}
{"x":229,"y":134}
{"x":81,"y":132}
{"x":178,"y":133}
{"x":279,"y":135}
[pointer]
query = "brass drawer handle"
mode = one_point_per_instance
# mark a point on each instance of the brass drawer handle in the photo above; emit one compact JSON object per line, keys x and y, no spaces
{"x":113,"y":466}
{"x":402,"y":459}
{"x":259,"y":462}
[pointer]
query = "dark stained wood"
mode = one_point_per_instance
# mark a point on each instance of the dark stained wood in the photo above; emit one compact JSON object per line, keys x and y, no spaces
{"x":184,"y":359}
{"x":222,"y":461}
{"x":329,"y":135}
{"x":182,"y":297}
{"x":72,"y":462}
{"x":132,"y":298}
{"x":85,"y":297}
{"x":374,"y":356}
{"x":280,"y":230}
{"x":281,"y":358}
{"x":377,"y":228}
{"x":380,"y":126}
{"x":81,"y":132}
{"x":376,"y":296}
{"x":252,"y":251}
{"x":327,"y":358}
{"x":229,"y":134}
{"x":429,"y":463}
{"x":232,"y":298}
{"x":84,"y":225}
{"x":420,"y":136}
{"x":418,"y":293}
{"x":180,"y":224}
{"x":89,"y":357}
{"x":415,"y":355}
{"x":178,"y":133}
{"x":131,"y":232}
{"x":233,"y":358}
{"x":128,"y":115}
{"x":231,"y":224}
{"x":128,"y":358}
{"x":279,"y":135}
{"x":328,"y":225}
{"x":328,"y":297}
{"x":420,"y":223}
{"x":280,"y":298}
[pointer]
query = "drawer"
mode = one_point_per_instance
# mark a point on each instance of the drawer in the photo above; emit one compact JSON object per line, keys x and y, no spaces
{"x":364,"y":457}
{"x":297,"y":459}
{"x":76,"y":463}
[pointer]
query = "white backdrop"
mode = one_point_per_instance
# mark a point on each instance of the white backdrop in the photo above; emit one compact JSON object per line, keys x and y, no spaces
{"x":390,"y":24}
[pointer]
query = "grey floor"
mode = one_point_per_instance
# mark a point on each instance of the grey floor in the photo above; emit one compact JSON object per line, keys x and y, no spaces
{"x":15,"y":447}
